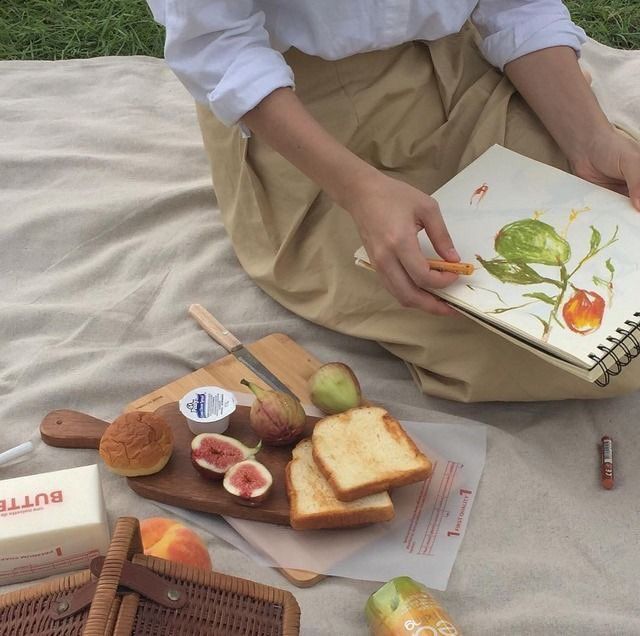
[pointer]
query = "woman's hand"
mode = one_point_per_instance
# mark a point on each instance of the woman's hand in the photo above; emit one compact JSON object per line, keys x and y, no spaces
{"x":612,"y":160}
{"x":388,"y":214}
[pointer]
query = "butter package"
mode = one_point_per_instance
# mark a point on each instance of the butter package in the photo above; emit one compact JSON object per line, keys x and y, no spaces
{"x":51,"y":523}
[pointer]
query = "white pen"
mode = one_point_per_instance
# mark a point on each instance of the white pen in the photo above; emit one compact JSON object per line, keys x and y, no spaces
{"x":15,"y":452}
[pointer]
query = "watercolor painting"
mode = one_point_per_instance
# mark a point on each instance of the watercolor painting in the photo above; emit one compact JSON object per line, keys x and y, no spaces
{"x":555,"y":257}
{"x":478,"y":194}
{"x":553,"y":299}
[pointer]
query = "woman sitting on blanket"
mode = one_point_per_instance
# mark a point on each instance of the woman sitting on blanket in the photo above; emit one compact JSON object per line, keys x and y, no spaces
{"x":391,"y":100}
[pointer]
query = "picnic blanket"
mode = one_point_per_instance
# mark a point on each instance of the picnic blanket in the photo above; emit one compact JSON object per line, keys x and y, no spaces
{"x":110,"y":231}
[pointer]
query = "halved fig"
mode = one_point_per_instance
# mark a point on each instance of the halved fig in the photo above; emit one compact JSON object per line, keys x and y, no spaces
{"x":213,"y":454}
{"x":249,"y":482}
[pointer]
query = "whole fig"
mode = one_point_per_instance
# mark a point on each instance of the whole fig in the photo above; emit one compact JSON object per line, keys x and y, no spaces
{"x":335,"y":388}
{"x":277,"y":418}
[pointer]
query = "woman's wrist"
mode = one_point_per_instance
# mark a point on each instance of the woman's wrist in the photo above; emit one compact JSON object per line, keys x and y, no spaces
{"x":551,"y":81}
{"x":585,"y":140}
{"x":353,"y":180}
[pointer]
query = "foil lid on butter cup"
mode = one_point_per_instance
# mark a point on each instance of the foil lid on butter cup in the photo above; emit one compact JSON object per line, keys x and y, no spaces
{"x":208,"y":409}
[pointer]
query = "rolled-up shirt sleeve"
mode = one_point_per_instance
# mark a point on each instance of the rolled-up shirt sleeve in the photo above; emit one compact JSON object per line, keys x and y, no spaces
{"x":512,"y":28}
{"x":220,"y":51}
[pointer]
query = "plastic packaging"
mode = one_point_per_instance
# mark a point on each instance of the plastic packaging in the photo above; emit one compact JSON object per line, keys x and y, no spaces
{"x":402,"y":607}
{"x":208,"y":409}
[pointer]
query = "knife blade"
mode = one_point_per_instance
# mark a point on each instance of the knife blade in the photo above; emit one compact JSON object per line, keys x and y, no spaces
{"x":248,"y":359}
{"x":225,"y":338}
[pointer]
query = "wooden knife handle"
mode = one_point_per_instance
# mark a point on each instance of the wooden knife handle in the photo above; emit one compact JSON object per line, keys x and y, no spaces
{"x":72,"y":429}
{"x":214,"y":328}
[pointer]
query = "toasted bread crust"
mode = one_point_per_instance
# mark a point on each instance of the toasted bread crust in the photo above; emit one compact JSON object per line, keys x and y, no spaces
{"x":386,"y":481}
{"x":374,"y":487}
{"x":342,"y":520}
{"x":330,"y":519}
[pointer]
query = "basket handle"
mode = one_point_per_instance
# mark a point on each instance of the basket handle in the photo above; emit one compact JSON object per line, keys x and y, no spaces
{"x":126,"y":542}
{"x":136,"y":578}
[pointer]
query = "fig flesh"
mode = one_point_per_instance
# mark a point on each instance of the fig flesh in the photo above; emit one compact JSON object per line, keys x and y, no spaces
{"x":214,"y":454}
{"x":277,"y":418}
{"x":249,"y":482}
{"x":334,"y":388}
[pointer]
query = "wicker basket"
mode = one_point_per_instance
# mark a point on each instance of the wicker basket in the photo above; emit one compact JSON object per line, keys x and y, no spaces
{"x":127,"y":594}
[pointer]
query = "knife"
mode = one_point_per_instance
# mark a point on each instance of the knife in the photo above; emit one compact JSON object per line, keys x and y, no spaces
{"x":225,"y":338}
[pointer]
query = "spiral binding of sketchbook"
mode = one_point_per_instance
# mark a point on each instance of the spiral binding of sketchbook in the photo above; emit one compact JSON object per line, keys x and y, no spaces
{"x":619,"y":355}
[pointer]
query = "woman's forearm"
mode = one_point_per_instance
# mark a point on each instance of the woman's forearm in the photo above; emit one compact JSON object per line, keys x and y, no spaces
{"x":282,"y":121}
{"x":551,"y":82}
{"x":387,"y":212}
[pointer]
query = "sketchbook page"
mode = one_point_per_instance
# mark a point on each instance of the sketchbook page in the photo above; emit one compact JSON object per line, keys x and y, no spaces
{"x":556,"y":256}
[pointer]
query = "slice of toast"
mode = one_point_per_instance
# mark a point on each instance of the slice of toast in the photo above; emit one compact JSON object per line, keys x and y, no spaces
{"x":313,"y":504}
{"x":365,"y":451}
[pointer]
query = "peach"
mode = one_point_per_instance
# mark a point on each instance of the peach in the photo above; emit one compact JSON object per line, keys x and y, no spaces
{"x":168,"y":539}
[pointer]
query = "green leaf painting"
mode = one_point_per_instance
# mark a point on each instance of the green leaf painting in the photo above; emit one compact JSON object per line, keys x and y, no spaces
{"x":545,"y":298}
{"x":508,"y":272}
{"x":596,"y":238}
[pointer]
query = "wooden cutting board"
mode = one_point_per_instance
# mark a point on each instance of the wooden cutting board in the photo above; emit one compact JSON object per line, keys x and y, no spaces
{"x":179,"y":483}
{"x":292,"y":364}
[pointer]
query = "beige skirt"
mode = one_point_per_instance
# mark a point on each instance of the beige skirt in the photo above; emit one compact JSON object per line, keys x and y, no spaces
{"x":420,"y":113}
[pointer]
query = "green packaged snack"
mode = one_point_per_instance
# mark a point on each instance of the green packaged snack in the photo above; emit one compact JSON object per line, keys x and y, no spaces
{"x":402,"y":607}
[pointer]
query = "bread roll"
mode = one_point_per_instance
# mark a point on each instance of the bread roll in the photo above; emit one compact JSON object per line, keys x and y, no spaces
{"x":137,"y":443}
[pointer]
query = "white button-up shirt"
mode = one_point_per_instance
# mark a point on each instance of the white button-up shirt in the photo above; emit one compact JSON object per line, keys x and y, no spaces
{"x":228,"y":53}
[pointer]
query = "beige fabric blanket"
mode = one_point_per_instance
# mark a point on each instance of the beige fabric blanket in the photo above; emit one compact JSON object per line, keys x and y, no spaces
{"x":109,"y":232}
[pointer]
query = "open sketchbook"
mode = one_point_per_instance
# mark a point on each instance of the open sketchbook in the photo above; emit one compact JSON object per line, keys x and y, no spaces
{"x":557,"y":261}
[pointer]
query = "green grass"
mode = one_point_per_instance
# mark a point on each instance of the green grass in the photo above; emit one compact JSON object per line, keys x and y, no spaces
{"x":62,"y":29}
{"x":612,"y":22}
